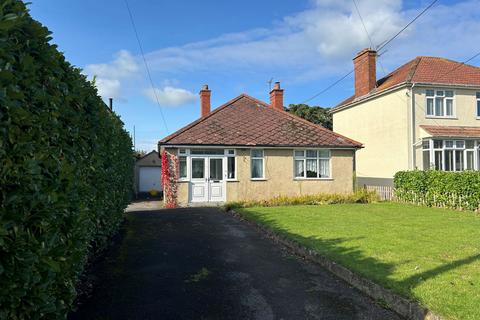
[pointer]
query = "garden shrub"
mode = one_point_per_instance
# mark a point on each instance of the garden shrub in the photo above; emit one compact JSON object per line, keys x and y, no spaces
{"x":455,"y":190}
{"x":66,"y":170}
{"x":360,"y":196}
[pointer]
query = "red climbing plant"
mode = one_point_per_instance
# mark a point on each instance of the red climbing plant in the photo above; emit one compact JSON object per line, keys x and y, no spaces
{"x":169,"y":179}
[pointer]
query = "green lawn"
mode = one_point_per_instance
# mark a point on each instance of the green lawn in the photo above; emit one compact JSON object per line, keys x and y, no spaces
{"x":431,"y":255}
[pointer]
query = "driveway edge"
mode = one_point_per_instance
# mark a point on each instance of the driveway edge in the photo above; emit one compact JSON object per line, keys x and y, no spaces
{"x":404,"y":307}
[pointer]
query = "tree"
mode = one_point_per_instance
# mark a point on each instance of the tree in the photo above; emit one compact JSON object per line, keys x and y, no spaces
{"x":315,"y":114}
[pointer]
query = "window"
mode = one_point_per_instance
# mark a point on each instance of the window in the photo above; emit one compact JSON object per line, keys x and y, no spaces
{"x":451,"y":155}
{"x":257,"y":164}
{"x":182,"y":167}
{"x":478,"y":104}
{"x":440,"y":103}
{"x":198,"y":168}
{"x":231,"y":165}
{"x":311,"y":164}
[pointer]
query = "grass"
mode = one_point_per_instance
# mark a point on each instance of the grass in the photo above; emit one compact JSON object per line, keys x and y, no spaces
{"x":430,"y":255}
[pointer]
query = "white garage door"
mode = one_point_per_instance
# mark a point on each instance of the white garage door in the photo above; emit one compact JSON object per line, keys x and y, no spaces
{"x":149,"y":179}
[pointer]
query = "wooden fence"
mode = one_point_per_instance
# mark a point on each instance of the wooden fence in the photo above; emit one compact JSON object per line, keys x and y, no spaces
{"x":384,"y":192}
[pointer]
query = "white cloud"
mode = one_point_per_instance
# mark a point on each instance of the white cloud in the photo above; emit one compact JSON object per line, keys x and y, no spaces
{"x":170,"y":96}
{"x":111,"y":75}
{"x":322,"y":40}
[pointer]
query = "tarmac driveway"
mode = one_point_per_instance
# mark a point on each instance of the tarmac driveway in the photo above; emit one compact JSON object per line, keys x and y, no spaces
{"x":200,"y":263}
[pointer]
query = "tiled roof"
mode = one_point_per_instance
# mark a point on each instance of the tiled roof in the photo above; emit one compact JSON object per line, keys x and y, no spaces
{"x":246,"y":121}
{"x":452,"y":131}
{"x":426,"y":70}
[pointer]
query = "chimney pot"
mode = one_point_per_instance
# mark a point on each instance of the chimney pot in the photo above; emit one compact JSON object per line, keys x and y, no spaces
{"x":204,"y":101}
{"x":276,"y":97}
{"x":365,"y":71}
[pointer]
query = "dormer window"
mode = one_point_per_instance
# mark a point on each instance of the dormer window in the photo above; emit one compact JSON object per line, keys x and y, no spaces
{"x":440,"y":103}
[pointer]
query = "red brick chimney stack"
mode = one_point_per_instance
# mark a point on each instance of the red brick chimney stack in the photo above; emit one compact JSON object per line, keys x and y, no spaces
{"x":365,"y":66}
{"x":205,"y":100}
{"x":276,"y":97}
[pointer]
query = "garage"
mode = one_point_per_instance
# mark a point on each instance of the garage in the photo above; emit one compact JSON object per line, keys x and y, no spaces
{"x":149,"y":179}
{"x":148,"y":175}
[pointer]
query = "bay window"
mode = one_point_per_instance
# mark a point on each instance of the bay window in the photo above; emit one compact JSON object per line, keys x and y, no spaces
{"x":440,"y":103}
{"x":451,"y":155}
{"x":311,"y":164}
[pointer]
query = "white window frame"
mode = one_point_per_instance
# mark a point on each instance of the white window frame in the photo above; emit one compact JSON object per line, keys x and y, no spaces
{"x":454,"y":147}
{"x":477,"y":106}
{"x":444,"y":107}
{"x":318,"y":158}
{"x":257,"y":158}
{"x":186,"y":154}
{"x":234,"y":156}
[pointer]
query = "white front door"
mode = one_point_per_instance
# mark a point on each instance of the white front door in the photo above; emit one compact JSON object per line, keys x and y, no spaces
{"x":207,"y":183}
{"x":216,"y":182}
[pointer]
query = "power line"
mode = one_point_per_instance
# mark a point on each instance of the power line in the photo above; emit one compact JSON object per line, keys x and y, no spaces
{"x":146,"y":64}
{"x":381,"y":46}
{"x":385,"y":43}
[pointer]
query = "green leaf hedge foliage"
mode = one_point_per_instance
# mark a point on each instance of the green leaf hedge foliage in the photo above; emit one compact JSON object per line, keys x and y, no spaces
{"x":455,"y":190}
{"x":66,"y":170}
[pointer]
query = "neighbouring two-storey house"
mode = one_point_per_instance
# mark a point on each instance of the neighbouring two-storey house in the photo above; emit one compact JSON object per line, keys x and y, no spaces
{"x":424,"y":115}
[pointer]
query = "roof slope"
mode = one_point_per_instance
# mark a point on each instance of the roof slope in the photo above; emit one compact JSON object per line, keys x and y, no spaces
{"x":426,"y":70}
{"x":452,"y":131}
{"x":246,"y":121}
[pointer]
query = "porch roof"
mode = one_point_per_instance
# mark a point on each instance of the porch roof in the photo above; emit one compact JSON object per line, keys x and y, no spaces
{"x":452,"y":131}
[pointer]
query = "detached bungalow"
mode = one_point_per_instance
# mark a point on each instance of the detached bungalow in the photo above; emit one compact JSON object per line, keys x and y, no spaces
{"x":247,"y":149}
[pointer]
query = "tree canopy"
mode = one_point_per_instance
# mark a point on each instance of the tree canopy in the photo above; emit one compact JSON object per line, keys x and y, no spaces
{"x":315,"y":114}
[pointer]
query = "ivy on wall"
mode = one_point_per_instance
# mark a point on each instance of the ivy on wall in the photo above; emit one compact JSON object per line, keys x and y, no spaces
{"x":66,"y":170}
{"x":169,"y":179}
{"x":456,"y":190}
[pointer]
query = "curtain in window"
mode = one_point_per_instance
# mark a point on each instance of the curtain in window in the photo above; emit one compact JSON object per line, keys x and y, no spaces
{"x":257,"y":168}
{"x":324,"y":168}
{"x":299,"y":168}
{"x":312,"y":168}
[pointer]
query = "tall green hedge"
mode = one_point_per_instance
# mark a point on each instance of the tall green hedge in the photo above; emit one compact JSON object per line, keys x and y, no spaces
{"x":65,"y":170}
{"x":456,"y":190}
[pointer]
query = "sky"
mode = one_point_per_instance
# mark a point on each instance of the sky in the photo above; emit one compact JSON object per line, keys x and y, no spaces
{"x":238,"y":46}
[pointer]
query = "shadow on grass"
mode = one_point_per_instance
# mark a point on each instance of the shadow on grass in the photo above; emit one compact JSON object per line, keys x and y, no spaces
{"x":355,"y":259}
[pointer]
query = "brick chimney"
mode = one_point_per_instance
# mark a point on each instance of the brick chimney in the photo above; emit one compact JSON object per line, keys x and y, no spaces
{"x":276,"y":97}
{"x":365,"y":71}
{"x":204,"y":100}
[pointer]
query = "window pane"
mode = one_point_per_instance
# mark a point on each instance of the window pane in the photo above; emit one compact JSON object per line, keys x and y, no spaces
{"x":299,"y":171}
{"x":439,"y":107}
{"x":478,"y":108}
{"x":440,"y":93}
{"x":459,"y":160}
{"x":430,"y":93}
{"x":256,"y":153}
{"x":426,"y":144}
{"x":448,"y":144}
{"x":437,"y":144}
{"x":448,"y":93}
{"x":299,"y":153}
{"x":230,"y":151}
{"x":257,"y":168}
{"x":448,"y":160}
{"x":182,"y":151}
{"x":311,"y":153}
{"x":426,"y":160}
{"x":470,"y":144}
{"x":470,"y":159}
{"x":207,"y":151}
{"x":478,"y":95}
{"x":312,"y":171}
{"x":324,"y":168}
{"x":449,"y":105}
{"x":324,"y":153}
{"x":216,"y":169}
{"x":231,"y":167}
{"x":459,"y":144}
{"x":198,"y":168}
{"x":438,"y":160}
{"x":430,"y":106}
{"x":182,"y":167}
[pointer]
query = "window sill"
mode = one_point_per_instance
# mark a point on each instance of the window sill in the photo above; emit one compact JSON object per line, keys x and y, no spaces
{"x":258,"y":179}
{"x":182,"y":180}
{"x":232,"y":180}
{"x":445,"y":118}
{"x":312,"y":179}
